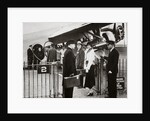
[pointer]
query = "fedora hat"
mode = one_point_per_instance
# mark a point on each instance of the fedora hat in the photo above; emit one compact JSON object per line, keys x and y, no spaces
{"x":70,"y":42}
{"x":109,"y":36}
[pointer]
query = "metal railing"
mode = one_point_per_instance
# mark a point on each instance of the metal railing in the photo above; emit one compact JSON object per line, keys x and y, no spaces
{"x":45,"y":80}
{"x":42,"y":80}
{"x":101,"y":75}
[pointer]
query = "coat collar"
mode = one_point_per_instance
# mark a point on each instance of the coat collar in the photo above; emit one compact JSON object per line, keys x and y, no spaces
{"x":112,"y":49}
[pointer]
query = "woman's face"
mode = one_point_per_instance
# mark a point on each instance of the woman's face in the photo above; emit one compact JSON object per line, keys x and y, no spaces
{"x":78,"y":46}
{"x":88,"y":46}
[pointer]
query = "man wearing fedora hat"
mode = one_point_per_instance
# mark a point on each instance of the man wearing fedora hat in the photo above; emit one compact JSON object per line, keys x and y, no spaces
{"x":80,"y":60}
{"x":69,"y":68}
{"x":112,"y":69}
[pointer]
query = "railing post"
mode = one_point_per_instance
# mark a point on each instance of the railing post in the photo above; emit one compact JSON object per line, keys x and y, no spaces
{"x":37,"y":80}
{"x":41,"y":85}
{"x":33,"y":82}
{"x":49,"y":81}
{"x":57,"y":79}
{"x":45,"y":85}
{"x":52,"y":84}
{"x":54,"y":80}
{"x":98,"y":75}
{"x":24,"y":77}
{"x":28,"y":83}
{"x":119,"y":67}
{"x":100,"y":69}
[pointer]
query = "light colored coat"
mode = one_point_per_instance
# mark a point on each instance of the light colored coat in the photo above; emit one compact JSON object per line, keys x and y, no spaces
{"x":90,"y":57}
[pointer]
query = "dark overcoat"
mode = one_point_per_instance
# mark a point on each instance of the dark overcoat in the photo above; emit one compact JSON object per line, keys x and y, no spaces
{"x":112,"y":59}
{"x":112,"y":66}
{"x":30,"y":58}
{"x":80,"y":59}
{"x":68,"y":69}
{"x":69,"y":63}
{"x":30,"y":55}
{"x":52,"y":55}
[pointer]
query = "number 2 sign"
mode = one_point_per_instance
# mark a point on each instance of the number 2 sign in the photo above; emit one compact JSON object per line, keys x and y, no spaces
{"x":43,"y":69}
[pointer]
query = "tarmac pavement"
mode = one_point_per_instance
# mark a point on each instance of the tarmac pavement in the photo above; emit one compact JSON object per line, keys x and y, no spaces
{"x":82,"y":93}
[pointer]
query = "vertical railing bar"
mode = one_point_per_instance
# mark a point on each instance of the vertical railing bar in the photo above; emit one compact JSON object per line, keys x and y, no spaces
{"x":45,"y":85}
{"x":41,"y":85}
{"x":52,"y":72}
{"x":122,"y":67}
{"x":126,"y":74}
{"x":52,"y":91}
{"x":57,"y":81}
{"x":62,"y":79}
{"x":119,"y":67}
{"x":28,"y":83}
{"x":33,"y":64}
{"x":97,"y":75}
{"x":37,"y":79}
{"x":24,"y":78}
{"x":49,"y":81}
{"x":124,"y":71}
{"x":33,"y":81}
{"x":100,"y":77}
{"x":54,"y":81}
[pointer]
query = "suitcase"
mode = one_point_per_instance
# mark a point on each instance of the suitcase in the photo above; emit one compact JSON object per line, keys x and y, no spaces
{"x":73,"y":81}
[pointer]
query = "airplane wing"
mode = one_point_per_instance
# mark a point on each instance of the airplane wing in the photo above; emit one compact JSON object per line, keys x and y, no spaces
{"x":74,"y":31}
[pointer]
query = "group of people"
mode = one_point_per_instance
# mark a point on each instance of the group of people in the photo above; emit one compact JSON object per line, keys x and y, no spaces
{"x":36,"y":54}
{"x":85,"y":58}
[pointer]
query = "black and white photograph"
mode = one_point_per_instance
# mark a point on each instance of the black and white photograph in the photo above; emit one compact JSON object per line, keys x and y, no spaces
{"x":74,"y":60}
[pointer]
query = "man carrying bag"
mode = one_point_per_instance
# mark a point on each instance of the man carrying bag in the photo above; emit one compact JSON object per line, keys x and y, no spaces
{"x":69,"y":68}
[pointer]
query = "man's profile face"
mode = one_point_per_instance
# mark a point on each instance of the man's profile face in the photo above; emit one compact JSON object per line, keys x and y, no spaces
{"x":109,"y":46}
{"x":73,"y":46}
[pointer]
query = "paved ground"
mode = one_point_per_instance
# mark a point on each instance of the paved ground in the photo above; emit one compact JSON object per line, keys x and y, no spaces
{"x":82,"y":93}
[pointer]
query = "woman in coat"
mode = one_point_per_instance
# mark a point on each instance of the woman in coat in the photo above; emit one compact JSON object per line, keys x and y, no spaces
{"x":89,"y":67}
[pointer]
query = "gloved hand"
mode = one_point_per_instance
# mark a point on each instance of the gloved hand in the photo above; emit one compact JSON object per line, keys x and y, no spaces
{"x":71,"y":74}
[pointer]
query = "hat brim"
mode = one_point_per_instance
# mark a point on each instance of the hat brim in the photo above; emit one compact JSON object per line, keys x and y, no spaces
{"x":111,"y":42}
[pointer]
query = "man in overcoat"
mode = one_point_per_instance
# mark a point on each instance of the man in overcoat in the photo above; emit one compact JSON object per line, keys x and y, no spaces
{"x":69,"y":68}
{"x":112,"y":69}
{"x":52,"y":54}
{"x":80,"y":60}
